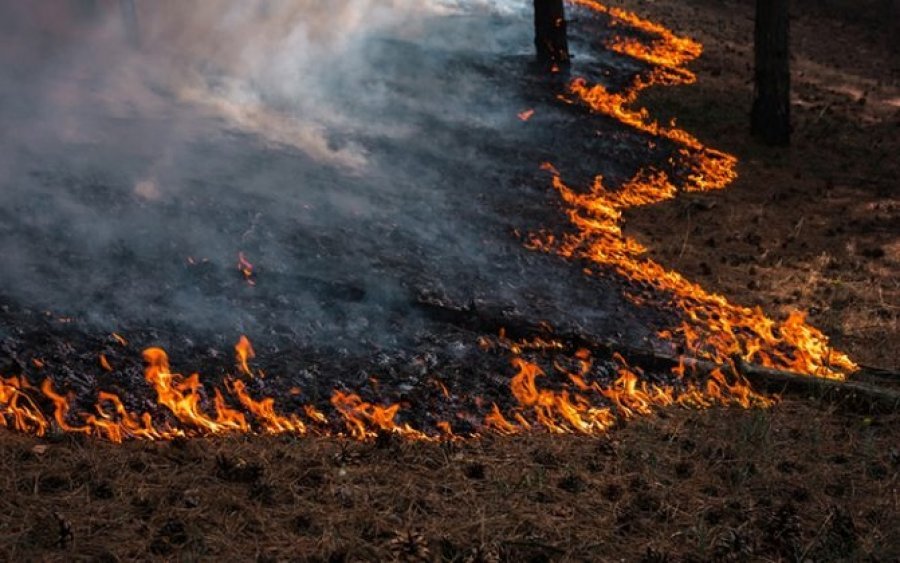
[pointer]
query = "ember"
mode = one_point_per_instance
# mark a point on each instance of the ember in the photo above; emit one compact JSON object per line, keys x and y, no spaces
{"x":246,"y":268}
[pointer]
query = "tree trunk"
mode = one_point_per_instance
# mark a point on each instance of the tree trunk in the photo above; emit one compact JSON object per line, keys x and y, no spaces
{"x":129,"y":17}
{"x":550,"y":32}
{"x":771,"y":117}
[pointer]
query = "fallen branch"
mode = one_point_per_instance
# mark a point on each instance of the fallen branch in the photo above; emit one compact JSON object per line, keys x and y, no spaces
{"x":854,"y":395}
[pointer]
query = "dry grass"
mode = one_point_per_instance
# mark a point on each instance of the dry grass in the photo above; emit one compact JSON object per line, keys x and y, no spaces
{"x":815,"y":227}
{"x":692,"y":486}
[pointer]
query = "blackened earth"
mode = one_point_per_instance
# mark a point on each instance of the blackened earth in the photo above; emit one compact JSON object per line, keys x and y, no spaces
{"x":354,"y":270}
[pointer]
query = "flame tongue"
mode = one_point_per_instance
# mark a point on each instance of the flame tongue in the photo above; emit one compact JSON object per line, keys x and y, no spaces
{"x":591,"y":408}
{"x":17,"y":406}
{"x":183,"y":396}
{"x":244,"y":351}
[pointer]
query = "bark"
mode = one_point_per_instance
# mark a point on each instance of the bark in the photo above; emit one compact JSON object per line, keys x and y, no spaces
{"x":550,"y":39}
{"x":771,"y":117}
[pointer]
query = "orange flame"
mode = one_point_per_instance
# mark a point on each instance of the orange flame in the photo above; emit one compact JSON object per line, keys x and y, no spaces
{"x":265,"y":413}
{"x":715,"y":328}
{"x":183,"y":396}
{"x":244,"y":352}
{"x":17,"y":406}
{"x":365,"y":420}
{"x":592,"y":409}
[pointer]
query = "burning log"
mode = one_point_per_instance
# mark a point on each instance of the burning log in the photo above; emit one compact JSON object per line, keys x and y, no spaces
{"x":854,"y":395}
{"x":550,"y":37}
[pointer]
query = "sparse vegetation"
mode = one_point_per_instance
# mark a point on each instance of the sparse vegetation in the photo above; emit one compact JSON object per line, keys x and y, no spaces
{"x":800,"y":479}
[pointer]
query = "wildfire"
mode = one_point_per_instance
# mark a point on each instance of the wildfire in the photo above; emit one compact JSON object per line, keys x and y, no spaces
{"x":714,"y":328}
{"x":584,"y":407}
{"x":571,"y":401}
{"x":189,"y":410}
{"x":17,"y":409}
{"x":667,"y":50}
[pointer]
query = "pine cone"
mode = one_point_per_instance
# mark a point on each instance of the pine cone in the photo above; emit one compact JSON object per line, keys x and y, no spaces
{"x":410,"y":546}
{"x":782,"y":531}
{"x":654,"y":556}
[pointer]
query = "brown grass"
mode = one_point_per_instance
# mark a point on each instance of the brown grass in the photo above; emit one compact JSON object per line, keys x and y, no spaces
{"x":815,"y":227}
{"x":799,"y":479}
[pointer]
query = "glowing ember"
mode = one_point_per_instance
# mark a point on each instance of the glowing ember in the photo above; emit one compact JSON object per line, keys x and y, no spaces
{"x":526,"y":114}
{"x":246,"y":268}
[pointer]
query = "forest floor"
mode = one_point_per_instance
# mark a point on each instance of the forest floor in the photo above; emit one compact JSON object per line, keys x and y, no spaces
{"x":814,"y":227}
{"x":800,"y":481}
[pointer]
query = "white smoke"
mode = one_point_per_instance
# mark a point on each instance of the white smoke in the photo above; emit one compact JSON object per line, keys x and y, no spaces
{"x":241,"y":125}
{"x":267,"y":66}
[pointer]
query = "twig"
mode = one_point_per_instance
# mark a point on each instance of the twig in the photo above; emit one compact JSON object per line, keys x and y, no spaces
{"x":813,"y":541}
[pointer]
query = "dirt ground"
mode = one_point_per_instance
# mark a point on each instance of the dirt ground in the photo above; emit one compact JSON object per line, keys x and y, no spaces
{"x":815,"y":227}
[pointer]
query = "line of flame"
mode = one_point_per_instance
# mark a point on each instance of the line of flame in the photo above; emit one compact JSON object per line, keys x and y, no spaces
{"x":580,"y":407}
{"x":714,"y":328}
{"x":183,"y":398}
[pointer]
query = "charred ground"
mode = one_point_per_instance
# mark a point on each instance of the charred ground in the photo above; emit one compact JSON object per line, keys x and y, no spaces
{"x":351,"y":267}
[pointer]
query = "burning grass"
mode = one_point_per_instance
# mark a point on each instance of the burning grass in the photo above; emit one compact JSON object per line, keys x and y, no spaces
{"x":584,"y":396}
{"x":711,"y":326}
{"x":805,"y":227}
